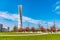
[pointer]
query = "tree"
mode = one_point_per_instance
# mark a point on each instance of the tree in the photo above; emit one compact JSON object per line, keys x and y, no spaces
{"x":15,"y":29}
{"x":53,"y":29}
{"x":42,"y":29}
{"x":33,"y":29}
{"x":27,"y":29}
{"x":20,"y":29}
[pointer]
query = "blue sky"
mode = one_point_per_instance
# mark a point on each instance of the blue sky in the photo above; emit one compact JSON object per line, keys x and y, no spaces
{"x":39,"y":9}
{"x":34,"y":12}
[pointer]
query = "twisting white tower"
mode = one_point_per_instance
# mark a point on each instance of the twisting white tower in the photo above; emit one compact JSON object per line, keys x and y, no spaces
{"x":19,"y":16}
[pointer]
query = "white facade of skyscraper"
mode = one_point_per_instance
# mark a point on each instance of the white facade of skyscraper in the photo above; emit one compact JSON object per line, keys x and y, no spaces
{"x":19,"y":16}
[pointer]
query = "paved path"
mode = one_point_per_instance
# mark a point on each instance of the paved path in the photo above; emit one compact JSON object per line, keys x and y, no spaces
{"x":24,"y":35}
{"x":30,"y":34}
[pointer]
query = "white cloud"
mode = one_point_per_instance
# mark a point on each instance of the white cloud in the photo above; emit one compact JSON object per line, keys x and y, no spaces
{"x":14,"y":17}
{"x":8,"y":16}
{"x":58,"y":2}
{"x":57,"y":7}
{"x":30,"y":20}
{"x":58,"y":12}
{"x":50,"y":23}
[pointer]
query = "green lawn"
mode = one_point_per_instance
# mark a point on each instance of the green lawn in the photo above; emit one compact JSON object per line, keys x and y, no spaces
{"x":36,"y":37}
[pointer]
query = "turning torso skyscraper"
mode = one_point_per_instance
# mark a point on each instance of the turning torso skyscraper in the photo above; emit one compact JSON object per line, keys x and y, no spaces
{"x":19,"y":16}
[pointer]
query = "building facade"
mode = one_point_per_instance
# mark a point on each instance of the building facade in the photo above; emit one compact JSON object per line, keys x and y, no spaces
{"x":19,"y":16}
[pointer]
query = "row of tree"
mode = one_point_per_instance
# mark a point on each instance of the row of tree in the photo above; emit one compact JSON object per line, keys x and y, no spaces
{"x":27,"y":29}
{"x":41,"y":29}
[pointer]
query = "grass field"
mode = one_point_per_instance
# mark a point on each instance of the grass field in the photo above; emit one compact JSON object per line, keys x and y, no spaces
{"x":15,"y":33}
{"x":35,"y":37}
